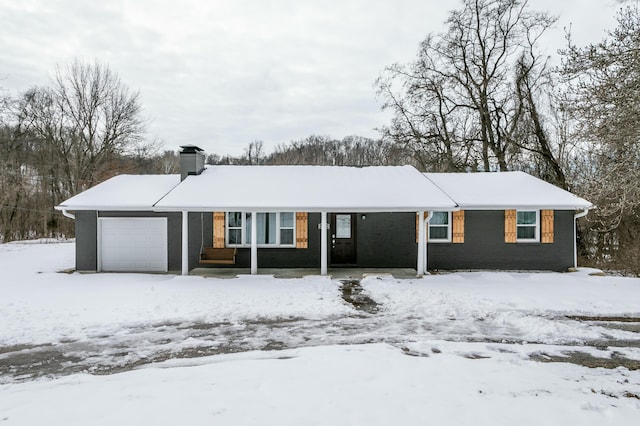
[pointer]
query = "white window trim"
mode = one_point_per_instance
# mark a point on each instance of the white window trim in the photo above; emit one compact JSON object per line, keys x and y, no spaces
{"x":440,"y":240}
{"x":536,"y":239}
{"x":227,"y":229}
{"x":244,"y":232}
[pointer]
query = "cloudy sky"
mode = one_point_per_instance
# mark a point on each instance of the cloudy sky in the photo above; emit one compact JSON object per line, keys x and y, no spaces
{"x":222,"y":73}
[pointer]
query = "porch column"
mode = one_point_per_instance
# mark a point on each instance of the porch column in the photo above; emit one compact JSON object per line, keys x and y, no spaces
{"x":421,"y":244}
{"x":185,"y":243}
{"x":426,"y":246}
{"x":254,"y":244}
{"x":323,"y":243}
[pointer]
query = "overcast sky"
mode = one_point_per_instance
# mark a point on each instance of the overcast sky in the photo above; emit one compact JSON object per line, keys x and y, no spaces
{"x":222,"y":73}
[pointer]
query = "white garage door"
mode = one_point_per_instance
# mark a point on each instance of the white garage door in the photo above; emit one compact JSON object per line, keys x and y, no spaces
{"x":132,"y":244}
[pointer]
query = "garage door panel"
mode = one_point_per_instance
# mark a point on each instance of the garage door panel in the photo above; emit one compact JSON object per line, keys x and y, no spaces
{"x":133,"y":244}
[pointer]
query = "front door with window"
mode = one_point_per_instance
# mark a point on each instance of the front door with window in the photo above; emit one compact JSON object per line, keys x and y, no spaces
{"x":343,"y":239}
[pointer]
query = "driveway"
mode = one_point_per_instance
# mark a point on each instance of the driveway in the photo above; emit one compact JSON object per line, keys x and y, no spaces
{"x":368,"y":322}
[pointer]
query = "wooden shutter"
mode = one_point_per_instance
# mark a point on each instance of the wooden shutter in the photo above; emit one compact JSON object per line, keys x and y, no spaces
{"x":458,"y":227}
{"x":218,"y":229}
{"x":302,"y":230}
{"x":547,"y":226}
{"x":510,"y":233}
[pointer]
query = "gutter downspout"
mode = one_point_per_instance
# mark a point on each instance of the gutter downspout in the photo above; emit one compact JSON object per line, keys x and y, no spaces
{"x":577,"y":216}
{"x":426,"y":238}
{"x":65,"y":213}
{"x":323,"y":243}
{"x":422,"y":241}
{"x":185,"y":242}
{"x":254,"y":243}
{"x":421,"y":244}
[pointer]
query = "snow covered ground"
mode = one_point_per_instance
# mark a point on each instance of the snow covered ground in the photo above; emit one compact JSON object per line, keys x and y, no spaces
{"x":461,"y":348}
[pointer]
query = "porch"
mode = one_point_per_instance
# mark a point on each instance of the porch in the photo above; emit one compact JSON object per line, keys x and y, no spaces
{"x":336,"y":273}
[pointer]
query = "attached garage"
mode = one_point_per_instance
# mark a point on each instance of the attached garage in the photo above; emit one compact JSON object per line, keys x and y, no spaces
{"x":132,"y":244}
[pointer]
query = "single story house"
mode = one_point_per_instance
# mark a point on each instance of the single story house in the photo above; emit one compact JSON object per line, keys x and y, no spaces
{"x":320,"y":216}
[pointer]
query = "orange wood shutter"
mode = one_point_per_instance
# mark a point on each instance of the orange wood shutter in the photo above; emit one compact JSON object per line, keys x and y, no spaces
{"x":218,"y":229}
{"x":458,"y":227}
{"x":510,"y":226}
{"x":302,"y":230}
{"x":547,"y":226}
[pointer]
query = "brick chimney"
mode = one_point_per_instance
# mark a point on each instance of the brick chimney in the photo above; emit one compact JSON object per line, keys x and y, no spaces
{"x":191,"y":161}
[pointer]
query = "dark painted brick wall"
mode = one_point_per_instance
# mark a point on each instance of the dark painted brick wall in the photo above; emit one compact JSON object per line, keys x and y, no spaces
{"x":267,"y":257}
{"x":86,"y":240}
{"x":484,"y":246}
{"x":383,"y":240}
{"x":387,"y":240}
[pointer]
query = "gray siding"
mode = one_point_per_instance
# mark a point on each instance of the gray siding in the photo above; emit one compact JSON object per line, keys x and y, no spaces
{"x":383,"y":240}
{"x":484,"y":246}
{"x":86,"y":240}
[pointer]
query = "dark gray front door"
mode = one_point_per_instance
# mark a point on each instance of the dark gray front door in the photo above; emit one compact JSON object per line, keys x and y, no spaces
{"x":343,"y":239}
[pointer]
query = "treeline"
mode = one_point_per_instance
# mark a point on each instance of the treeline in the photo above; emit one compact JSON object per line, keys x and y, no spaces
{"x":322,"y":150}
{"x":481,"y":95}
{"x":59,"y":140}
{"x":56,"y":142}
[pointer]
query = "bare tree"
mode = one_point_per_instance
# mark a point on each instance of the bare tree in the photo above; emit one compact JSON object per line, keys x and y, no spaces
{"x":168,"y":162}
{"x":455,"y":105}
{"x":87,"y":119}
{"x":541,"y":154}
{"x":60,"y":140}
{"x":603,"y":97}
{"x":254,"y":153}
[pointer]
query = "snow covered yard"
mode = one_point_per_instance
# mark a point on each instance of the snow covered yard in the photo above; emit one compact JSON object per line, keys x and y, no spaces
{"x":462,"y":348}
{"x":40,"y":305}
{"x":333,"y":385}
{"x":512,"y":306}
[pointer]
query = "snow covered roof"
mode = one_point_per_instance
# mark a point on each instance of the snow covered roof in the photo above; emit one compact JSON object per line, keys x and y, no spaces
{"x":324,"y":188}
{"x":306,"y":188}
{"x":123,"y":192}
{"x":502,"y":190}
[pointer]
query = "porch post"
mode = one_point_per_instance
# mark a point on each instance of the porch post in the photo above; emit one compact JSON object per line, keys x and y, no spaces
{"x":323,"y":243}
{"x":426,"y":246}
{"x":254,"y":244}
{"x":185,"y":243}
{"x":421,"y":245}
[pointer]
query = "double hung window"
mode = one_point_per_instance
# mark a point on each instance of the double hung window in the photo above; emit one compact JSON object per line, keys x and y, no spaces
{"x":440,"y":227}
{"x":527,"y":228}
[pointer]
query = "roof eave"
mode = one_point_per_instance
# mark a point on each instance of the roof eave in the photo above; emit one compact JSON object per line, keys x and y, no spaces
{"x":104,"y":208}
{"x":524,"y":207}
{"x":343,"y":209}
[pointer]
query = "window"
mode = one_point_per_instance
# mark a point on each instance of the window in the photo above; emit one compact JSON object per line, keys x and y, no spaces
{"x":440,"y":227}
{"x":272,"y":229}
{"x":287,"y":224}
{"x":234,"y":227}
{"x":527,"y":226}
